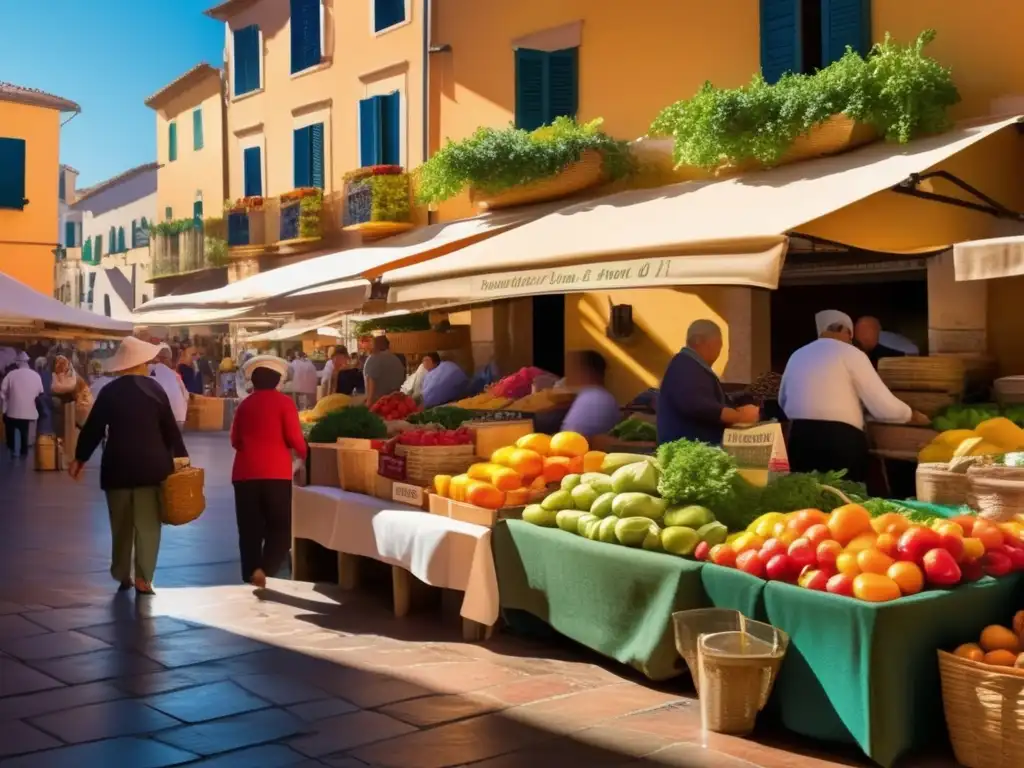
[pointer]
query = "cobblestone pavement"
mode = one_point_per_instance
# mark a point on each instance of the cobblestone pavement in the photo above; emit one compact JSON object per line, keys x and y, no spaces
{"x":208,"y":674}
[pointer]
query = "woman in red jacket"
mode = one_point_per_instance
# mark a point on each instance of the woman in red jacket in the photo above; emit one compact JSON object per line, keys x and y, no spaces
{"x":264,"y":434}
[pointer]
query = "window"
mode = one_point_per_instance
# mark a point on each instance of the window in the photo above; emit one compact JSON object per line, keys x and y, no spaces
{"x":307,"y":30}
{"x":135,"y":234}
{"x":197,"y":213}
{"x":62,"y":187}
{"x":106,"y":305}
{"x":87,"y":250}
{"x":12,"y":174}
{"x":247,"y":59}
{"x":547,"y":86}
{"x":197,"y":128}
{"x":172,"y":142}
{"x":387,"y":13}
{"x":112,"y":248}
{"x":252,"y":172}
{"x":92,"y":283}
{"x":308,"y":156}
{"x":120,"y":240}
{"x":69,"y":234}
{"x":380,"y":130}
{"x":98,"y":250}
{"x":805,"y":35}
{"x":168,"y":213}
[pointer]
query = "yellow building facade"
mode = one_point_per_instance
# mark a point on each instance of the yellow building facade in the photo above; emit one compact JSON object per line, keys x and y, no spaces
{"x":30,"y":123}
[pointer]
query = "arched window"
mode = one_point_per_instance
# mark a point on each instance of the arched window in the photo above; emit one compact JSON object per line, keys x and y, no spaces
{"x":106,"y":305}
{"x":120,"y":240}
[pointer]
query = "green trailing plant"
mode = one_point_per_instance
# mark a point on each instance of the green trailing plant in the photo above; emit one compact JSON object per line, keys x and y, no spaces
{"x":173,"y":227}
{"x":389,"y":197}
{"x":897,"y":89}
{"x":215,"y":250}
{"x":418,"y":321}
{"x":493,"y":160}
{"x":310,"y":207}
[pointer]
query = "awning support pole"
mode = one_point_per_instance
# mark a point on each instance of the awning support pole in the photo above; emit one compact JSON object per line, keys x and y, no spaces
{"x":987,"y":205}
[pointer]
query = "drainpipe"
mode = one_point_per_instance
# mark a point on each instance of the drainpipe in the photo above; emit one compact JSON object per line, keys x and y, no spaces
{"x":426,"y":90}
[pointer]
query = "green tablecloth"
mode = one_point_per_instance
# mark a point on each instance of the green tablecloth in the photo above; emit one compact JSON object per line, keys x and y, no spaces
{"x":615,"y":600}
{"x":867,"y":672}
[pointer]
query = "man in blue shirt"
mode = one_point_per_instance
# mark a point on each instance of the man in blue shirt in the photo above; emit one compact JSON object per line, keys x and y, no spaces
{"x":692,"y":403}
{"x":444,"y":382}
{"x":594,"y":411}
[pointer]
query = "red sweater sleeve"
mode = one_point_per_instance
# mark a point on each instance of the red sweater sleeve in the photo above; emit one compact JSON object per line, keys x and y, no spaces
{"x":292,"y":428}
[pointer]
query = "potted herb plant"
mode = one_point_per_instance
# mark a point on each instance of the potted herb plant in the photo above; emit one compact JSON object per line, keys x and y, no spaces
{"x":377,"y":201}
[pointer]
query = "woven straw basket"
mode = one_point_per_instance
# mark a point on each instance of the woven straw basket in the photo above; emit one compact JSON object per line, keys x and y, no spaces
{"x":923,"y":374}
{"x":996,"y":492}
{"x":937,"y":484}
{"x":586,"y":172}
{"x":182,"y":496}
{"x":984,"y":711}
{"x":928,"y":403}
{"x":422,"y":462}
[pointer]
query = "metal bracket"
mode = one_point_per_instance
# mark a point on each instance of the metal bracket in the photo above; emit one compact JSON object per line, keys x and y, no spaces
{"x":909,"y":186}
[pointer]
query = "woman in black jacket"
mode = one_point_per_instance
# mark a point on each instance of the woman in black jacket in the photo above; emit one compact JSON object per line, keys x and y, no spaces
{"x":143,"y":439}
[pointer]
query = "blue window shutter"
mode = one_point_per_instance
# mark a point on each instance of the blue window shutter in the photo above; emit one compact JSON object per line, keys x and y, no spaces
{"x":253,"y":168}
{"x":531,"y":96}
{"x":305,"y":29}
{"x":316,"y":155}
{"x":12,"y":173}
{"x":387,"y":13}
{"x":172,"y":142}
{"x":370,"y":146}
{"x":563,"y":84}
{"x":247,"y":59}
{"x":391,"y":128}
{"x":301,"y":157}
{"x":120,"y":240}
{"x":69,"y":234}
{"x":844,"y":23}
{"x":197,"y":128}
{"x":781,"y":50}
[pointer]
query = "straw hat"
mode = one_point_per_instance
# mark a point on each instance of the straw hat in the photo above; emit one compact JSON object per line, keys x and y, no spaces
{"x":133,"y":352}
{"x":273,"y":362}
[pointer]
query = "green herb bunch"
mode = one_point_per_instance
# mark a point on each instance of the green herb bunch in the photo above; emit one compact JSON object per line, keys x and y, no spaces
{"x":897,"y":89}
{"x":693,"y":472}
{"x":355,"y":421}
{"x":494,"y":160}
{"x":416,"y":321}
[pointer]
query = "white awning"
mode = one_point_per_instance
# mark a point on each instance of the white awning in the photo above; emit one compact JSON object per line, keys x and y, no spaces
{"x":183,"y":317}
{"x":297,"y":328}
{"x":728,"y":232}
{"x":988,"y":259}
{"x":346,"y":271}
{"x":25,"y":312}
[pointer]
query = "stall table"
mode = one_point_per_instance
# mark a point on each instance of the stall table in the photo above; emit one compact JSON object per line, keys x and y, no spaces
{"x":437,"y":550}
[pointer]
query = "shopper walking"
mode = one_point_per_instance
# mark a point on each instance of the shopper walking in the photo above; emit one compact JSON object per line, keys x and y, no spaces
{"x":264,"y":434}
{"x":143,"y":440}
{"x":18,"y":394}
{"x":171,"y":383}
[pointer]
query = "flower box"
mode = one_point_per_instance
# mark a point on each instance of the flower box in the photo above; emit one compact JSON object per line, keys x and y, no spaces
{"x":300,"y":214}
{"x":377,"y":197}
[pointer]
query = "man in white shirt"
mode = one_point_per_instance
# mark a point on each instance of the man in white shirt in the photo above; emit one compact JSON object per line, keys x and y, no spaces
{"x":172,"y":384}
{"x":18,"y":395}
{"x":826,"y":387}
{"x":413,"y":386}
{"x":304,"y":377}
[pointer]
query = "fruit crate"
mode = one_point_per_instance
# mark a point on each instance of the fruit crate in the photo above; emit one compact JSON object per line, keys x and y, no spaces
{"x":423,"y":462}
{"x":489,"y":436}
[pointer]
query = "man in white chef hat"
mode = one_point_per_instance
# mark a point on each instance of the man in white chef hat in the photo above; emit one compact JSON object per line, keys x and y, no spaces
{"x":826,"y":388}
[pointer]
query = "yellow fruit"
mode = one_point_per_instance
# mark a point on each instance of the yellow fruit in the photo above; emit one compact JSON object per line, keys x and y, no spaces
{"x":997,"y":638}
{"x":953,"y":437}
{"x":535,"y":441}
{"x":1001,"y":432}
{"x":973,"y":548}
{"x":875,"y":588}
{"x":592,"y":461}
{"x":862,"y":542}
{"x":503,"y":455}
{"x":768,"y":519}
{"x":1000,"y":658}
{"x":935,"y":453}
{"x":970,"y":651}
{"x":746,"y":541}
{"x":948,"y":527}
{"x":569,"y":444}
{"x":847,"y":563}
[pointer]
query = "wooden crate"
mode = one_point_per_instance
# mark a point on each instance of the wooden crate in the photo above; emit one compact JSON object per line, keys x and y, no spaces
{"x":489,"y":436}
{"x":357,"y":470}
{"x":323,"y":465}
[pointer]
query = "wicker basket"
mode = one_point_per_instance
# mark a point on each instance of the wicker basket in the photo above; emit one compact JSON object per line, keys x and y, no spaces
{"x":937,"y":484}
{"x":1009,"y":390}
{"x":899,"y":438}
{"x":205,"y":414}
{"x":586,"y":172}
{"x":996,"y":492}
{"x":984,"y":712}
{"x":46,"y":453}
{"x":737,"y":672}
{"x":928,"y":403}
{"x":357,"y":470}
{"x":182,"y":496}
{"x":836,"y":135}
{"x":923,"y":374}
{"x":422,"y":462}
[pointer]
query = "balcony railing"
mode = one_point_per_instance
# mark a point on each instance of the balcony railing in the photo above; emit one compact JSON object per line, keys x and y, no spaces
{"x":296,"y":220}
{"x":301,"y":215}
{"x":190,"y":251}
{"x":377,"y":201}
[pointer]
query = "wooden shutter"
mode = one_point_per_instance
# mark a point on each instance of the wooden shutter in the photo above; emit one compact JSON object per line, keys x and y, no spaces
{"x":316,"y":155}
{"x":370,"y":145}
{"x":197,"y":128}
{"x":87,"y":250}
{"x":98,"y":250}
{"x":172,"y":142}
{"x":844,"y":23}
{"x":531,"y":96}
{"x":781,"y":49}
{"x":563,"y":84}
{"x":12,"y":173}
{"x":197,"y":214}
{"x":305,"y":34}
{"x":253,"y":168}
{"x":247,"y":59}
{"x":301,"y":157}
{"x":69,"y":234}
{"x":391,"y":128}
{"x":120,"y":240}
{"x":387,"y":13}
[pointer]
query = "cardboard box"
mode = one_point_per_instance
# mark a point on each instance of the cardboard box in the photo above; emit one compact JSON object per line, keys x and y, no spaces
{"x":323,"y":465}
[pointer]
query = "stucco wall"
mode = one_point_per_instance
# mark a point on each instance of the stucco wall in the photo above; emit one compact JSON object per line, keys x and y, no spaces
{"x":127,"y":209}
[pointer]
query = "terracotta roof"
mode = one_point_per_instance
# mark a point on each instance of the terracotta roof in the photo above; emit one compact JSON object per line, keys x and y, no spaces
{"x":113,"y":182}
{"x":35,"y":97}
{"x":197,"y":74}
{"x":225,"y":10}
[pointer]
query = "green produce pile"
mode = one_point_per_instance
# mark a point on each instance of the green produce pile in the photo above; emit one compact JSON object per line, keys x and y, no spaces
{"x":634,"y":430}
{"x":448,"y":416}
{"x":354,"y":421}
{"x":969,"y":416}
{"x":620,"y":505}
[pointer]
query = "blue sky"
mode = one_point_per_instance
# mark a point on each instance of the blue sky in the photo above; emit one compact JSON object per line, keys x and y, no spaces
{"x":108,"y":56}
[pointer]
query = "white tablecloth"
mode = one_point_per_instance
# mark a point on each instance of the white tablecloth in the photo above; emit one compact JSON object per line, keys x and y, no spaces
{"x":437,"y":550}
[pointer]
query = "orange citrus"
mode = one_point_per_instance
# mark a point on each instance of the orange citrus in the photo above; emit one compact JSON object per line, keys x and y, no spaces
{"x":535,"y":441}
{"x":864,"y":541}
{"x":890,"y":522}
{"x":970,"y":651}
{"x":997,"y":638}
{"x":1000,"y":658}
{"x":555,"y":468}
{"x":871,"y":560}
{"x":592,"y":461}
{"x":569,"y":444}
{"x":989,"y":534}
{"x":886,"y":542}
{"x":848,"y":522}
{"x":908,"y":577}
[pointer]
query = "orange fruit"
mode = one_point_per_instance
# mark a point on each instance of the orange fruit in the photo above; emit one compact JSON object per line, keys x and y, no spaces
{"x":569,"y":444}
{"x":1000,"y":658}
{"x":576,"y":465}
{"x":871,"y":560}
{"x":539,"y":483}
{"x":524,"y":461}
{"x":818,"y":533}
{"x":803,"y":519}
{"x":890,"y":522}
{"x":555,"y":468}
{"x":535,"y":441}
{"x":886,"y":542}
{"x":1018,"y":624}
{"x":846,"y":562}
{"x":875,"y":588}
{"x":864,"y":541}
{"x":503,"y":455}
{"x":948,"y":528}
{"x":908,"y":577}
{"x":848,"y":522}
{"x":997,"y":638}
{"x":592,"y":461}
{"x":989,"y":534}
{"x":966,"y":523}
{"x":973,"y":548}
{"x":970,"y":651}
